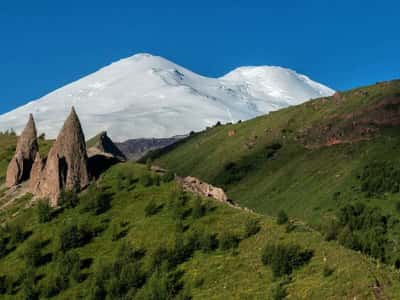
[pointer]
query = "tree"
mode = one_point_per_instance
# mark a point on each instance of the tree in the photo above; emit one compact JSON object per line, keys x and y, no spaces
{"x":32,"y":254}
{"x":44,"y":211}
{"x":282,"y":217}
{"x":251,"y":228}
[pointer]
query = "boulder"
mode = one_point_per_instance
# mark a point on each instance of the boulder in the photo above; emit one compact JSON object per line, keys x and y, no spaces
{"x":21,"y":164}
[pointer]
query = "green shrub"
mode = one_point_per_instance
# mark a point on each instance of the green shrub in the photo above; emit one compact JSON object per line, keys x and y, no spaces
{"x":44,"y":211}
{"x":290,"y":226}
{"x":98,"y":202}
{"x":151,"y":209}
{"x":327,"y":271}
{"x":73,"y":236}
{"x":331,"y":230}
{"x":3,"y":285}
{"x":168,"y":177}
{"x":398,"y":206}
{"x":121,"y":277}
{"x":251,"y":228}
{"x":228,"y":241}
{"x":162,"y":285}
{"x":52,"y":285}
{"x":279,"y":292}
{"x":363,"y":228}
{"x":17,"y":234}
{"x":69,"y":266}
{"x":28,"y":288}
{"x":200,"y":240}
{"x":33,"y":254}
{"x":3,"y":245}
{"x":283,"y":259}
{"x":68,"y":199}
{"x":198,"y":209}
{"x":282,"y":217}
{"x":380,"y":177}
{"x":146,"y":180}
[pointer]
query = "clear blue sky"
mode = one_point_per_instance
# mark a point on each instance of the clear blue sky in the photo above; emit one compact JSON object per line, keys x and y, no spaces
{"x":342,"y":43}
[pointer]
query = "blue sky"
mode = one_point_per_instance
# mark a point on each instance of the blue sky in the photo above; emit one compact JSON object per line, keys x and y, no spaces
{"x":46,"y":44}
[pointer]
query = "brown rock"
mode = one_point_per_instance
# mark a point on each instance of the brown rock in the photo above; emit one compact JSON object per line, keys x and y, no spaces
{"x":36,"y":172}
{"x":66,"y":165}
{"x":20,"y":166}
{"x":232,"y":133}
{"x":103,"y":154}
{"x":204,"y":189}
{"x":105,"y":146}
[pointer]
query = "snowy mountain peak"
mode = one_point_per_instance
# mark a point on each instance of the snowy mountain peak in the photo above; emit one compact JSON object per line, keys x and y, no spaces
{"x":150,"y":96}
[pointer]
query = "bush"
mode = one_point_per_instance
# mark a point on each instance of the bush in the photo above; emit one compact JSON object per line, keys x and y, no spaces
{"x":331,"y":230}
{"x":282,"y":218}
{"x":201,"y":240}
{"x":52,"y":285}
{"x":228,"y":241}
{"x":363,"y":228}
{"x":3,"y":245}
{"x":122,"y":277}
{"x":380,"y":177}
{"x":283,"y":259}
{"x":279,"y":292}
{"x":28,"y":288}
{"x":163,"y":284}
{"x":168,"y":177}
{"x":327,"y":271}
{"x":69,"y":267}
{"x":98,"y":202}
{"x":198,"y":210}
{"x":398,"y":206}
{"x":177,"y":206}
{"x":68,"y":199}
{"x":146,"y":180}
{"x":44,"y":211}
{"x":17,"y":234}
{"x":251,"y":228}
{"x":72,"y":236}
{"x":32,"y":254}
{"x":151,"y":209}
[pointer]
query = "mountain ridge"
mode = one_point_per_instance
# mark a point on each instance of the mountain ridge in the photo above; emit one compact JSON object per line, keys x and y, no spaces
{"x":162,"y":99}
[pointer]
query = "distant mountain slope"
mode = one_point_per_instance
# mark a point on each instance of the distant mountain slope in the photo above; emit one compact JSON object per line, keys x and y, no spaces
{"x":149,"y":96}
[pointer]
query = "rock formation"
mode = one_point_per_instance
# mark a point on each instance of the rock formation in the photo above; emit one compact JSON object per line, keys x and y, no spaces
{"x":204,"y":189}
{"x":103,"y":154}
{"x":66,"y":166}
{"x":27,"y":147}
{"x":103,"y":145}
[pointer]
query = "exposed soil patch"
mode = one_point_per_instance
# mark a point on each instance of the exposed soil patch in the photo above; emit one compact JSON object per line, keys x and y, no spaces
{"x":354,"y":127}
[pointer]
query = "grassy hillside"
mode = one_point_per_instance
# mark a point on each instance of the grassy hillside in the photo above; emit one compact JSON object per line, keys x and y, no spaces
{"x":309,"y":160}
{"x":174,"y":245}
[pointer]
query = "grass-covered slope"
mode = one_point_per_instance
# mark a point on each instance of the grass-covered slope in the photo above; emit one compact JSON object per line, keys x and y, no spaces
{"x":304,"y":159}
{"x":133,"y":236}
{"x":331,"y":162}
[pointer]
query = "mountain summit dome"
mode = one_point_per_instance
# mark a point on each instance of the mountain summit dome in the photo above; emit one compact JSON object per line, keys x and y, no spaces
{"x":149,"y":96}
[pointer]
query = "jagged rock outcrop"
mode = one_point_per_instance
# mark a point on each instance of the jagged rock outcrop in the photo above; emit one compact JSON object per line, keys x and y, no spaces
{"x":36,"y":172}
{"x":27,"y":147}
{"x":66,"y":166}
{"x":103,"y":145}
{"x":103,"y":154}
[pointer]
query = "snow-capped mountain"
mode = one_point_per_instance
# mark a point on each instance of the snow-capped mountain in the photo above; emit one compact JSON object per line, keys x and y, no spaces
{"x":149,"y":96}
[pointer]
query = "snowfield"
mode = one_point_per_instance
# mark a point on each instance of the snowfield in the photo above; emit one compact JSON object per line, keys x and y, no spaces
{"x":149,"y":96}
